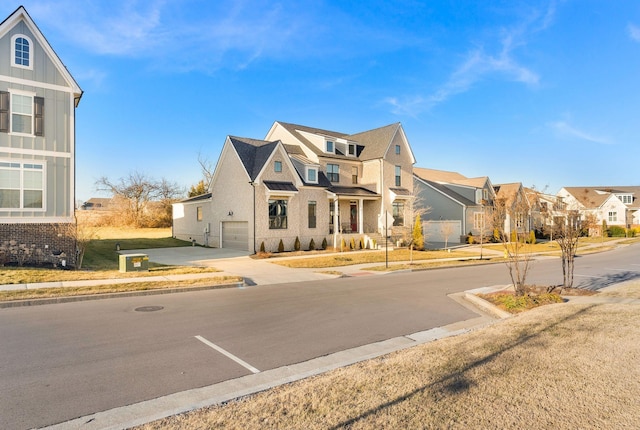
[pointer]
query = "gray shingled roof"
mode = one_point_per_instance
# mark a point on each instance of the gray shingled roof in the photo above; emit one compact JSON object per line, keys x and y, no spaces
{"x":376,"y":141}
{"x":197,"y":198}
{"x":449,"y":192}
{"x":353,"y":191}
{"x":253,"y":153}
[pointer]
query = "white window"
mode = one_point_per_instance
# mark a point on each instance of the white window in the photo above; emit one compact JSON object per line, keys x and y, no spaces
{"x":21,"y":185}
{"x":312,"y":175}
{"x":330,"y":147}
{"x":397,"y":149}
{"x":333,"y":172}
{"x":398,"y":176}
{"x":613,"y":216}
{"x":352,"y":149}
{"x":277,"y":214}
{"x":477,"y":220}
{"x":21,"y":114}
{"x":21,"y":48}
{"x":626,"y":199}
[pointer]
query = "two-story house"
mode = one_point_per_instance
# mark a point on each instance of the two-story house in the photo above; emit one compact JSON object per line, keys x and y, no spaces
{"x":38,"y":98}
{"x":453,"y":205}
{"x":619,"y":205}
{"x":302,"y":182}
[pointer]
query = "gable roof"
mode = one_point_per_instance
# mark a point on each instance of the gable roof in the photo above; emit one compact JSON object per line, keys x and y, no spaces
{"x":450,"y":177}
{"x":448,"y":192}
{"x":371,"y":144}
{"x":253,"y":153}
{"x":594,"y":197}
{"x":20,"y":14}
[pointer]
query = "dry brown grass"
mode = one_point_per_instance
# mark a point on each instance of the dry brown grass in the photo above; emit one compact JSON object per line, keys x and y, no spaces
{"x":433,"y":264}
{"x":43,"y":293}
{"x":562,"y":366}
{"x":365,"y":257}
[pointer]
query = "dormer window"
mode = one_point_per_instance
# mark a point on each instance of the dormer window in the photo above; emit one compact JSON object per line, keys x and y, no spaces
{"x":312,"y":175}
{"x":627,"y":199}
{"x":352,"y":149}
{"x":21,"y":51}
{"x":330,"y":147}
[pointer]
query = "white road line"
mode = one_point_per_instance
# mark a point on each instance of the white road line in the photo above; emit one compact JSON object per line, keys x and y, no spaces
{"x":228,"y":354}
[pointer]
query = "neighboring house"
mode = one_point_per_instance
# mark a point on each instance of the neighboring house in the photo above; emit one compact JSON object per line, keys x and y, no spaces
{"x":618,"y":206}
{"x":453,"y":205}
{"x":97,"y":204}
{"x":302,"y":182}
{"x":38,"y":98}
{"x":512,"y":203}
{"x":545,"y":210}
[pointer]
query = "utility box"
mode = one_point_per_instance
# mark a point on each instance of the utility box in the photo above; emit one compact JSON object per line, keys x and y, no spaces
{"x":134,"y":263}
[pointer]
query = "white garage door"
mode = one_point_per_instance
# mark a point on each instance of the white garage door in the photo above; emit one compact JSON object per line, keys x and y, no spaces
{"x":235,"y":235}
{"x":441,"y":231}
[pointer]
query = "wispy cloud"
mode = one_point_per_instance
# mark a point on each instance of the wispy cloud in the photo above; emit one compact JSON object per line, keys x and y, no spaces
{"x":480,"y":63}
{"x":634,"y":32}
{"x":566,"y":130}
{"x":231,"y":34}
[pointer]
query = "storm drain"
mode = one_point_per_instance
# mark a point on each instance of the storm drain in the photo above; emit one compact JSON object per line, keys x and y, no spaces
{"x":149,"y":308}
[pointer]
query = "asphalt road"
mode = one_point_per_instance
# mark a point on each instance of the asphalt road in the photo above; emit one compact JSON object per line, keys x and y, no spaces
{"x":59,"y":362}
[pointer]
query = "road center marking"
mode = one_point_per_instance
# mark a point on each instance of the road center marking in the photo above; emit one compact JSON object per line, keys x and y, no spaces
{"x":228,"y":354}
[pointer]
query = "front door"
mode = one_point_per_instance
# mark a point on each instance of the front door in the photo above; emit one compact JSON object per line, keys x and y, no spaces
{"x":353,"y":216}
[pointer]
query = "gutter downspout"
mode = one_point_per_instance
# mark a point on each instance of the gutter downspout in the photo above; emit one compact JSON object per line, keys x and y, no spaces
{"x":253,"y":185}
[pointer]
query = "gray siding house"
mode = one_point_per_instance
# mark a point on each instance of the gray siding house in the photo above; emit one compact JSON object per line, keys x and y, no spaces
{"x":452,"y":204}
{"x":38,"y":98}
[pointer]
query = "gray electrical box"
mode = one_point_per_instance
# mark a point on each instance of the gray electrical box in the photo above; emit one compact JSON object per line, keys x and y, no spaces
{"x":134,"y":263}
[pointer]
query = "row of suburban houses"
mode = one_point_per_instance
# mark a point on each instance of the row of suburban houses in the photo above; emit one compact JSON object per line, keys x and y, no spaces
{"x":297,"y":184}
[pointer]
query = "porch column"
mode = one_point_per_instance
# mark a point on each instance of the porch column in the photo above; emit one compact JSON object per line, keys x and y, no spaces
{"x":335,"y":223}
{"x":361,"y":216}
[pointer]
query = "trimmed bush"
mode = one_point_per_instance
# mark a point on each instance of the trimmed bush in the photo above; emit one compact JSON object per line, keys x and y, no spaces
{"x":296,"y":244}
{"x":312,"y":245}
{"x":324,"y":244}
{"x":281,"y":246}
{"x":352,"y":243}
{"x":616,"y":231}
{"x":262,"y":248}
{"x":362,"y":243}
{"x":470,"y":239}
{"x":532,"y":237}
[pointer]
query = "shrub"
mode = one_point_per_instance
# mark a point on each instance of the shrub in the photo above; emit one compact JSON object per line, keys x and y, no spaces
{"x":470,"y":239}
{"x":362,"y":243}
{"x":532,"y":237}
{"x":616,"y":231}
{"x":352,"y":243}
{"x":312,"y":245}
{"x":343,"y":245}
{"x":262,"y":249}
{"x":281,"y":246}
{"x":296,"y":244}
{"x":324,"y":244}
{"x":496,"y":235}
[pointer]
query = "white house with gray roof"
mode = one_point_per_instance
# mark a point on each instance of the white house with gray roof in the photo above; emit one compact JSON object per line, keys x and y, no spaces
{"x":302,"y":182}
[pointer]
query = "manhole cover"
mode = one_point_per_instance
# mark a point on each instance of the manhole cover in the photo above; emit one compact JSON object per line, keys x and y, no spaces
{"x":149,"y":308}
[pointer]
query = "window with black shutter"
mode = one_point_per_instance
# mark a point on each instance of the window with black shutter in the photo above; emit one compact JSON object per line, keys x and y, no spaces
{"x":4,"y":111}
{"x":38,"y":119}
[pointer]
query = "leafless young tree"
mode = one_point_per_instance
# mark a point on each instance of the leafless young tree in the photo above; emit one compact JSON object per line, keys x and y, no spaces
{"x":567,"y":230}
{"x":446,"y":228}
{"x":507,"y":213}
{"x":134,"y":192}
{"x":207,"y":168}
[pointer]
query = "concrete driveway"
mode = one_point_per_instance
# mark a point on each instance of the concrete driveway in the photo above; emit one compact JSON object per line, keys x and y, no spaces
{"x":231,"y":262}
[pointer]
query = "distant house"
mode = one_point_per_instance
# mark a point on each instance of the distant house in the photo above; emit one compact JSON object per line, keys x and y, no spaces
{"x":38,"y":98}
{"x":301,"y":182}
{"x":453,"y":205}
{"x":616,"y":205}
{"x":97,"y":204}
{"x":517,"y":208}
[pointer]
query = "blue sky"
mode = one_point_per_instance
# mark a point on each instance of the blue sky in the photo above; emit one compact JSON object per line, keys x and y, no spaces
{"x":546,"y":93}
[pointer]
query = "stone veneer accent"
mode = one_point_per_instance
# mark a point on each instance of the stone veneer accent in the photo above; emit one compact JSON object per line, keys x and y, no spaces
{"x":50,"y":239}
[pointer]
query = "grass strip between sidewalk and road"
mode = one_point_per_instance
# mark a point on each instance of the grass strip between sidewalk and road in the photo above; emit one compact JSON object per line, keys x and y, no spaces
{"x":43,"y":293}
{"x":561,"y":366}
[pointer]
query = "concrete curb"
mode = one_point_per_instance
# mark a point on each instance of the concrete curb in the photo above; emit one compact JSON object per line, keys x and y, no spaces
{"x":71,"y":299}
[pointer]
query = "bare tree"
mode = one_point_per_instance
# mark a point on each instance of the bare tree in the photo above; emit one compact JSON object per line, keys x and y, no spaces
{"x":446,"y":228}
{"x":567,"y":230}
{"x":134,"y":192}
{"x":207,"y":169}
{"x":517,"y":252}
